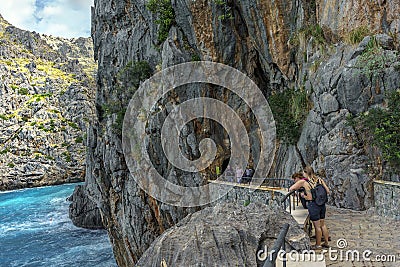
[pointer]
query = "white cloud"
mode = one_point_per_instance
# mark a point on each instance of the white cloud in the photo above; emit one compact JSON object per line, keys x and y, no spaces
{"x":65,"y":18}
{"x":18,"y":12}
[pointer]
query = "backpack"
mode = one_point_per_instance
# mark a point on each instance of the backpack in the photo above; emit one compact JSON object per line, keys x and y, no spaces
{"x":319,"y":194}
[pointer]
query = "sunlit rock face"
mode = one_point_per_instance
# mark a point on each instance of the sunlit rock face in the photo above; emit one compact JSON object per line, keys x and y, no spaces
{"x":226,"y":234}
{"x":47,"y":91}
{"x":278,"y":45}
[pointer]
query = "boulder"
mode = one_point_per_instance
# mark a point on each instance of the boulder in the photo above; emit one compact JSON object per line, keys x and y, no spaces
{"x":227,"y":234}
{"x":83,"y":212}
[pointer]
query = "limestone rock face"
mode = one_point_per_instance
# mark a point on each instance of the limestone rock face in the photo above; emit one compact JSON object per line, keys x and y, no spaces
{"x":227,"y":234}
{"x":83,"y":211}
{"x":342,"y":88}
{"x":340,"y":16}
{"x":47,"y":94}
{"x":278,"y":45}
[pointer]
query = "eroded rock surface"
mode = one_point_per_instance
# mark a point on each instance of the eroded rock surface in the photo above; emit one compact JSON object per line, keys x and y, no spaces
{"x":227,"y":234}
{"x":279,"y":46}
{"x":83,"y":211}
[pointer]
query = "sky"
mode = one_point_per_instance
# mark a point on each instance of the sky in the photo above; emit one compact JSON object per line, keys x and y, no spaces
{"x":62,"y":18}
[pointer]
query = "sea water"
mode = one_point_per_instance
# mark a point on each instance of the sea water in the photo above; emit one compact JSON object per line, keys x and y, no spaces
{"x":35,"y":231}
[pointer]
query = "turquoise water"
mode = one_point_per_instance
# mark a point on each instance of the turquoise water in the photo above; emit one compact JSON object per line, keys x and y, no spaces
{"x":35,"y":231}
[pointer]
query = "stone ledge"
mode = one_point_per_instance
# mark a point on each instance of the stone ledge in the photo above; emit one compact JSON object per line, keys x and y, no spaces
{"x":386,"y":195}
{"x":387,"y":183}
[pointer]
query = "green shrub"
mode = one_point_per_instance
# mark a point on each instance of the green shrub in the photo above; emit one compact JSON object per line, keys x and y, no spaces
{"x":23,"y":91}
{"x":67,"y":156}
{"x":220,"y":2}
{"x":11,"y":165}
{"x":226,"y":9}
{"x":315,"y":31}
{"x":294,"y":39}
{"x":128,"y":81}
{"x":39,"y":97}
{"x":117,"y":126}
{"x":380,"y":127}
{"x":79,"y":140}
{"x":374,"y":59}
{"x":196,"y":57}
{"x":73,"y":125}
{"x":356,"y":35}
{"x":129,"y":78}
{"x":290,"y":109}
{"x":166,"y":16}
{"x":49,"y":157}
{"x":225,"y":16}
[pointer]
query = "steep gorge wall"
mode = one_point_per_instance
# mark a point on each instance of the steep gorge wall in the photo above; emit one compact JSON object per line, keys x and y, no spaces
{"x":47,"y":89}
{"x":263,"y":39}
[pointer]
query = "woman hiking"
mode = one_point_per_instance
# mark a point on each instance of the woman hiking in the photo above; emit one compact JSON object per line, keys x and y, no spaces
{"x":316,"y":212}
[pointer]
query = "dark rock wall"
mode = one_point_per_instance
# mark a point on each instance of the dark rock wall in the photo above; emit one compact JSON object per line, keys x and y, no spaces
{"x":255,"y":41}
{"x":83,"y":211}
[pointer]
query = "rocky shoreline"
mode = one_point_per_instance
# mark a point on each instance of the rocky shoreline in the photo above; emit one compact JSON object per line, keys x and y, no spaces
{"x":31,"y":182}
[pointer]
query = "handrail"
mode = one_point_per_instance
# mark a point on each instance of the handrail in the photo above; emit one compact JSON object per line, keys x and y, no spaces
{"x":285,"y":182}
{"x":279,"y":243}
{"x":287,"y":195}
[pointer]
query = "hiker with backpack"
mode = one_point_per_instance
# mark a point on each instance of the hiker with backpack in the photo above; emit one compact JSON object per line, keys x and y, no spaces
{"x":300,"y":190}
{"x":316,"y":195}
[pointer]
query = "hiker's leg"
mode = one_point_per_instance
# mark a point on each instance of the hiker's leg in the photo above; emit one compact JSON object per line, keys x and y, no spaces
{"x":318,"y":232}
{"x":325,"y":232}
{"x":315,"y":211}
{"x":324,"y":229}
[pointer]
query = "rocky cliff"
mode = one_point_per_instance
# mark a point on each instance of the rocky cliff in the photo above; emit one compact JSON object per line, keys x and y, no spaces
{"x":225,"y":235}
{"x":309,"y":58}
{"x":47,"y":90}
{"x":83,"y":212}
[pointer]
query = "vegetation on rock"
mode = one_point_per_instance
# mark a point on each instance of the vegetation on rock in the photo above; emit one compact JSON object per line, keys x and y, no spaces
{"x":227,"y":10}
{"x":166,"y":16}
{"x":380,"y":127}
{"x":128,"y":81}
{"x":375,"y":59}
{"x":290,"y":109}
{"x":356,"y":35}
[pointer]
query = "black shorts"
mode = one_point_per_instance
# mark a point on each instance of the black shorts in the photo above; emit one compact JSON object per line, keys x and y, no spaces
{"x":316,"y":212}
